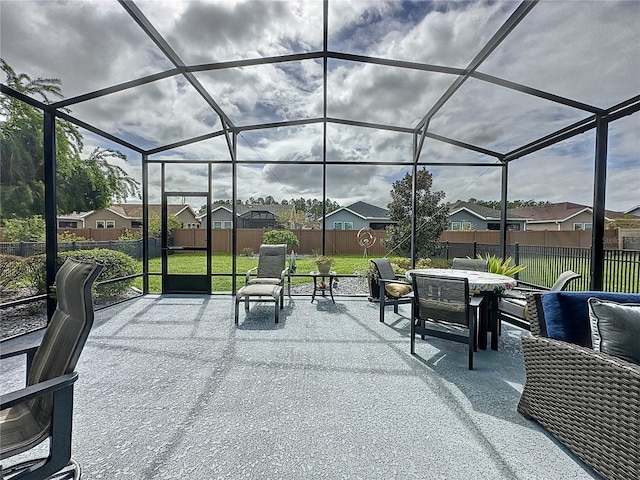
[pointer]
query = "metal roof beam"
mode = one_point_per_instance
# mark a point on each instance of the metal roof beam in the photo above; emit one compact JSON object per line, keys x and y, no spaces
{"x":97,"y":131}
{"x":516,"y":17}
{"x":572,"y":130}
{"x":144,"y":23}
{"x":184,"y":143}
{"x":116,"y":88}
{"x":535,"y":92}
{"x":250,"y":62}
{"x":395,"y":63}
{"x":379,"y":126}
{"x":464,"y":145}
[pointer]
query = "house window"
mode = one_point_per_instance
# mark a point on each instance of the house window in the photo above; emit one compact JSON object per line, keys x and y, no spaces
{"x":217,"y":224}
{"x":136,"y":224}
{"x":105,"y":224}
{"x":582,"y":226}
{"x":456,"y":226}
{"x":228,"y":224}
{"x":466,"y":225}
{"x":348,"y":225}
{"x":67,"y":224}
{"x":337,"y":225}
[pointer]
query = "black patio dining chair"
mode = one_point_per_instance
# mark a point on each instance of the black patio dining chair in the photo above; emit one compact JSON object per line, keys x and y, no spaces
{"x":44,"y":408}
{"x":476,"y":264}
{"x":394,"y":289}
{"x":443,"y":308}
{"x":512,"y":304}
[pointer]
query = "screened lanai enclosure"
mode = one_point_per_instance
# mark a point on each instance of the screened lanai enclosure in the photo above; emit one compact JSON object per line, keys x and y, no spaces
{"x":217,"y":101}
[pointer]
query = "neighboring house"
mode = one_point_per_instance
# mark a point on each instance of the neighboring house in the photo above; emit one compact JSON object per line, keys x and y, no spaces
{"x":73,"y":220}
{"x":560,"y":216}
{"x":633,"y":211}
{"x":469,"y":216}
{"x":126,"y":215}
{"x":358,"y":215}
{"x":249,"y":216}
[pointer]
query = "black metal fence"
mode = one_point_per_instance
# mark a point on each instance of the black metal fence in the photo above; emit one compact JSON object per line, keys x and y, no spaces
{"x":132,"y":248}
{"x":545,"y":264}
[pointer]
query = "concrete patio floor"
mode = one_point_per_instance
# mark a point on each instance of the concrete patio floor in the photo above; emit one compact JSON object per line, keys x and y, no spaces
{"x":170,"y":388}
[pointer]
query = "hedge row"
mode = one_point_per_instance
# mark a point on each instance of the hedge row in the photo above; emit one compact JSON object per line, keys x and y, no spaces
{"x":31,"y":271}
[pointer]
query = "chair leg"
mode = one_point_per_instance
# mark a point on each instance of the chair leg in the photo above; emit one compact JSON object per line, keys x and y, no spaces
{"x":472,"y":336}
{"x":413,"y":336}
{"x":382,"y":309}
{"x":395,"y":307}
{"x":236,"y":309}
{"x":246,"y":303}
{"x":277,"y":310}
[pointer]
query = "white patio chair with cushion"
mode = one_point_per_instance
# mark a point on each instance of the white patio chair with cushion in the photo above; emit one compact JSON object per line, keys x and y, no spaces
{"x":268,"y":284}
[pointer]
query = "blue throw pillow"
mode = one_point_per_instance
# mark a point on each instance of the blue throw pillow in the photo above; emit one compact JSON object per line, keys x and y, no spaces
{"x":566,"y":314}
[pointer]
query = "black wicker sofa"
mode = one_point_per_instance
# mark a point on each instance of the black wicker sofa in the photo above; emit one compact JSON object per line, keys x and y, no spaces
{"x":587,"y":399}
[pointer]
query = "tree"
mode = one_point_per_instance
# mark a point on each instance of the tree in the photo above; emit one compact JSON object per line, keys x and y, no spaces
{"x":83,"y":184}
{"x":291,"y":219}
{"x":628,"y":221}
{"x":497,"y":204}
{"x":432,"y":216}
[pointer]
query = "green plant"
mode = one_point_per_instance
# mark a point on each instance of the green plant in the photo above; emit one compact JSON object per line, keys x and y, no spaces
{"x":503,"y":267}
{"x":116,"y":265}
{"x":69,"y":237}
{"x":24,"y":229}
{"x":246,"y":252}
{"x":275,"y":237}
{"x":11,"y":271}
{"x":324,"y":260}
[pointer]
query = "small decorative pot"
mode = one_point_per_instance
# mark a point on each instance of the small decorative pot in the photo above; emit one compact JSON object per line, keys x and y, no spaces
{"x":323,"y":268}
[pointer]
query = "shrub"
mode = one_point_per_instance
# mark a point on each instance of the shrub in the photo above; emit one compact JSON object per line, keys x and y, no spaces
{"x":246,"y":252}
{"x":11,"y":271}
{"x":116,"y":264}
{"x":24,"y":229}
{"x":274,"y":237}
{"x":68,"y":237}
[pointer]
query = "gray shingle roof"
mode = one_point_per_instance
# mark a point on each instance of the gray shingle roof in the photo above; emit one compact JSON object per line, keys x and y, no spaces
{"x":482,"y":211}
{"x":367,"y":210}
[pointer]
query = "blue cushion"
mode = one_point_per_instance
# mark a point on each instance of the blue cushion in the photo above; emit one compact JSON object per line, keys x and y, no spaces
{"x":566,"y":314}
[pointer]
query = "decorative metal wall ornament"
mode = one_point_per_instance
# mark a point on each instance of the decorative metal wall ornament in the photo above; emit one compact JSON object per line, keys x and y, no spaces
{"x":366,"y":240}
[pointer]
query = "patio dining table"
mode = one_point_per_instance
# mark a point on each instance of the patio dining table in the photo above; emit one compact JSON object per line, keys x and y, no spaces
{"x":486,"y":284}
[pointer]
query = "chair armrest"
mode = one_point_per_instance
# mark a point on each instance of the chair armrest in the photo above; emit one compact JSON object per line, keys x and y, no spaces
{"x":248,"y":275}
{"x":37,"y":390}
{"x":588,"y":400}
{"x":394,"y":280}
{"x":9,"y":351}
{"x":284,"y":273}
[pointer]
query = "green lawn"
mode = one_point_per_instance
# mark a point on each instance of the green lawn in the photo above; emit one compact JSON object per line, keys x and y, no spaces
{"x":350,"y":264}
{"x":221,"y":264}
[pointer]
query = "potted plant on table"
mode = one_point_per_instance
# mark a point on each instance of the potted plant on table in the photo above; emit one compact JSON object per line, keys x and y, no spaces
{"x":324,"y":264}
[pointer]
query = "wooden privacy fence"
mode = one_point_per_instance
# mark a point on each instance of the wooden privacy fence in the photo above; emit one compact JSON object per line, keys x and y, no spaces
{"x":614,"y":239}
{"x":338,"y":242}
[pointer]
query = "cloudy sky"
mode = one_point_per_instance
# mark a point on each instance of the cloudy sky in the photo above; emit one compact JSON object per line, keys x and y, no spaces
{"x":585,"y":51}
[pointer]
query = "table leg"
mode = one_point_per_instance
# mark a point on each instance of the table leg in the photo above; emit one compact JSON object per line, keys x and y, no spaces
{"x":315,"y":287}
{"x":493,"y":321}
{"x":331,"y":288}
{"x":483,"y":322}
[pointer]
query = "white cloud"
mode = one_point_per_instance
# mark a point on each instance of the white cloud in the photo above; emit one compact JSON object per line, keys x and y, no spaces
{"x":588,"y":51}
